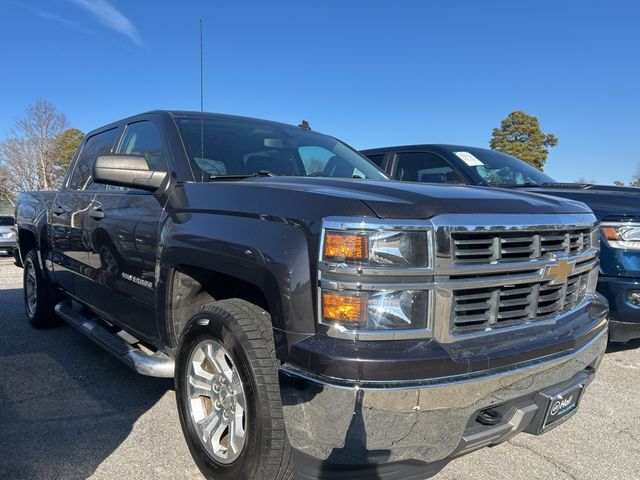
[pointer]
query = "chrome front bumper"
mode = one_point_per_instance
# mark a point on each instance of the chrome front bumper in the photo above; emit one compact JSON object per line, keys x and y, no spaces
{"x":8,"y":243}
{"x":427,"y":421}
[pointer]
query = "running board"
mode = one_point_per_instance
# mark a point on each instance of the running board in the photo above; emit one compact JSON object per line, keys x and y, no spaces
{"x":156,"y":365}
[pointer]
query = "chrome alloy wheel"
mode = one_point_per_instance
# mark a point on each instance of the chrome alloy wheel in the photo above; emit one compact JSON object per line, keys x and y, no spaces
{"x":216,"y":401}
{"x":31,"y":288}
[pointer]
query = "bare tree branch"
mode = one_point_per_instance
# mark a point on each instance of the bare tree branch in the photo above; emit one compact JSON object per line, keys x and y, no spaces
{"x":30,"y":157}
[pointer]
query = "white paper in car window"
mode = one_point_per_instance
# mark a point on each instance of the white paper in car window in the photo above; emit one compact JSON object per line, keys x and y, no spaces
{"x":469,"y":159}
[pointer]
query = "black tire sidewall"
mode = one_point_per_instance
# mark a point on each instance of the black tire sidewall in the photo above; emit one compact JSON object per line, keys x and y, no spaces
{"x":43,"y":315}
{"x":246,"y":465}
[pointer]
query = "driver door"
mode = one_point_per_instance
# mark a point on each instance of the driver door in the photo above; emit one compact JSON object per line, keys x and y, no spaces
{"x":124,"y":238}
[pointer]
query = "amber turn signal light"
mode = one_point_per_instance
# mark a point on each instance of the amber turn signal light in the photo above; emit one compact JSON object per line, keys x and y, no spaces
{"x":346,"y":246}
{"x":610,"y":233}
{"x":340,"y":307}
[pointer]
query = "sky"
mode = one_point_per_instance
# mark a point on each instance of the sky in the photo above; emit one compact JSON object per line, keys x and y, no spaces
{"x":372,"y":73}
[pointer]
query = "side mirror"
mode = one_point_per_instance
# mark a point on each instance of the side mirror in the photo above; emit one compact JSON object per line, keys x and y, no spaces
{"x":127,"y":171}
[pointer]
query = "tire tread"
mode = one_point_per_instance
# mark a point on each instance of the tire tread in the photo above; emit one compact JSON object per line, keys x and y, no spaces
{"x":253,"y":328}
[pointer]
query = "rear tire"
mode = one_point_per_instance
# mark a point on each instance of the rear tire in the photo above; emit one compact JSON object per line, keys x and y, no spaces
{"x":38,"y":299}
{"x":233,"y":337}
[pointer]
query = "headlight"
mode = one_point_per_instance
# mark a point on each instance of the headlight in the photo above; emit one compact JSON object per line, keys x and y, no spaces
{"x":364,"y":266}
{"x":375,"y":310}
{"x":621,"y":235}
{"x":377,"y":248}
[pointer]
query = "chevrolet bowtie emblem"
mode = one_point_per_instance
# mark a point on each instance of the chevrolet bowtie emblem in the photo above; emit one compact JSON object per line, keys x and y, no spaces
{"x":560,"y":271}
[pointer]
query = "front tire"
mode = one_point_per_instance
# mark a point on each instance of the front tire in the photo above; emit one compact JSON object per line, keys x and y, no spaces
{"x":228,"y":396}
{"x":38,"y":300}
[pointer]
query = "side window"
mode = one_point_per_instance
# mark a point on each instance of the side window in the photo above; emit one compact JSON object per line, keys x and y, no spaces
{"x":143,"y":138}
{"x":378,"y":158}
{"x":425,"y":167}
{"x":99,"y":144}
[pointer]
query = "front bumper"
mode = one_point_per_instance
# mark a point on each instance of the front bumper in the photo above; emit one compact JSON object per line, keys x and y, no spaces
{"x":428,"y":422}
{"x":8,"y":244}
{"x":624,"y":316}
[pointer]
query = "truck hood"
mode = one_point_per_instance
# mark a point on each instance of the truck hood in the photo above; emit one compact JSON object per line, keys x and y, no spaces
{"x":406,"y":200}
{"x":604,"y":200}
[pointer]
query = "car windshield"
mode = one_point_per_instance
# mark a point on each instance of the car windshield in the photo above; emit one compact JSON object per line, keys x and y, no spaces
{"x":244,"y":147}
{"x":500,"y":170}
{"x":6,"y":222}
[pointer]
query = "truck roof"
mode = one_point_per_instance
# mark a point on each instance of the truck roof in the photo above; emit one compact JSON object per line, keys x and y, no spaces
{"x":188,"y":113}
{"x":404,"y":148}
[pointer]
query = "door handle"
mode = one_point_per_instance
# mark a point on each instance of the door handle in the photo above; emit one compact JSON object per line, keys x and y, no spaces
{"x":97,"y":213}
{"x":57,"y":210}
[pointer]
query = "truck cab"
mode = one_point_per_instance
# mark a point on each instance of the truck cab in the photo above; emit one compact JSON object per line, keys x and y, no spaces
{"x":616,"y":208}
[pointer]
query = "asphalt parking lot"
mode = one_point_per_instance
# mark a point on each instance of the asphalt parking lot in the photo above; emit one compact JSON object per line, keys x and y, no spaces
{"x":68,"y":410}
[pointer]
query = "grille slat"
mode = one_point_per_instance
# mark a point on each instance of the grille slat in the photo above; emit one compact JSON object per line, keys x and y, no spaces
{"x":522,"y":313}
{"x":517,"y":250}
{"x":494,"y":307}
{"x":554,"y":307}
{"x":480,"y":241}
{"x":511,"y":303}
{"x":472,"y":306}
{"x":515,"y":291}
{"x":553,"y":238}
{"x":483,"y":318}
{"x":488,"y":247}
{"x":551,"y":297}
{"x":473,"y":296}
{"x":516,"y":239}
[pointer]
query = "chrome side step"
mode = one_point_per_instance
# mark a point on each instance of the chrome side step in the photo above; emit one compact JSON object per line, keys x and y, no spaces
{"x":153,"y":365}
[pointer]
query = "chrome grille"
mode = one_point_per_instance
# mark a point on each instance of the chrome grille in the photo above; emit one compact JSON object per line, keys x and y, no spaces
{"x":477,"y":309}
{"x":509,"y":246}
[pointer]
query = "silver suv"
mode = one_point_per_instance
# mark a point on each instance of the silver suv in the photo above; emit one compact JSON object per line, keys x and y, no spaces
{"x":7,"y":234}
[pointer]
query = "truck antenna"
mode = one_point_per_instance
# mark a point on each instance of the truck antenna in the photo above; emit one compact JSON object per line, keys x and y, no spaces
{"x":201,"y":100}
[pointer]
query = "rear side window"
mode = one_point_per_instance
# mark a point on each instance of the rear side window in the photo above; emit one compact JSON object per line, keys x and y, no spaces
{"x":425,"y":167}
{"x":378,"y":158}
{"x":99,"y":144}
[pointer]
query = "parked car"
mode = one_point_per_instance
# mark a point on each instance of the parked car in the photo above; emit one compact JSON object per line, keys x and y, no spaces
{"x":319,"y":319}
{"x":7,"y":235}
{"x":616,"y":208}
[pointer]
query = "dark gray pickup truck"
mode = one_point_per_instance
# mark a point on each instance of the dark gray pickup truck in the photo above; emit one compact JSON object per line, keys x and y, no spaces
{"x":320,"y":320}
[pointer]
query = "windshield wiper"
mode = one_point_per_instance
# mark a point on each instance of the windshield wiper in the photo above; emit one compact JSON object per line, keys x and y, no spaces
{"x":520,"y":185}
{"x":240,"y":176}
{"x":566,"y":185}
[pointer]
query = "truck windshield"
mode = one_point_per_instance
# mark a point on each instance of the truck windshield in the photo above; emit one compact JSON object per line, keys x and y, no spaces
{"x":6,"y":222}
{"x":237,"y":148}
{"x":500,"y":170}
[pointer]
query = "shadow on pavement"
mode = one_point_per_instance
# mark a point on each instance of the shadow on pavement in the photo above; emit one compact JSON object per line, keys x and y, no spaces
{"x":621,"y":347}
{"x":65,"y":404}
